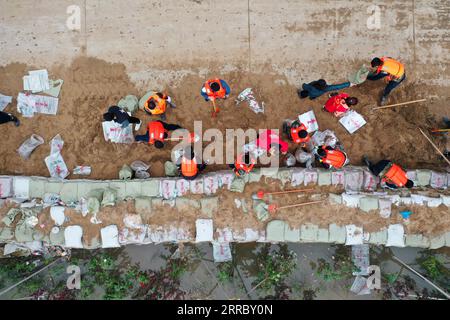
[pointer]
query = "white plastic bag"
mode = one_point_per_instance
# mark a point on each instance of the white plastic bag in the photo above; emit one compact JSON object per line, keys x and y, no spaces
{"x":56,"y":166}
{"x":28,"y":146}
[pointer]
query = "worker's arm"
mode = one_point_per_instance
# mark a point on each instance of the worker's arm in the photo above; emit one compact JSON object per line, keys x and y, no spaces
{"x":170,"y":127}
{"x":226,"y":87}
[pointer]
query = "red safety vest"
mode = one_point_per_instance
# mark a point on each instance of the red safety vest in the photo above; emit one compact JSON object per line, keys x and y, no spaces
{"x":156,"y":132}
{"x":161,"y":104}
{"x":395,"y":69}
{"x":189,"y":167}
{"x":215,"y":94}
{"x":295,"y":134}
{"x":395,"y":175}
{"x":334,"y":158}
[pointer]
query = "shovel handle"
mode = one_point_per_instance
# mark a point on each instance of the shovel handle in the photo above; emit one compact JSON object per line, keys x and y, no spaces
{"x":300,"y":204}
{"x":290,"y":191}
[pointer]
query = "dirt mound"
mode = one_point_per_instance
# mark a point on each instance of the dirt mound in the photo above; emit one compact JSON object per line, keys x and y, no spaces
{"x":91,"y":85}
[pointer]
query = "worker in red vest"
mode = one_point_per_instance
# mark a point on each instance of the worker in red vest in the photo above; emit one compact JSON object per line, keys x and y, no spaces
{"x":189,"y":166}
{"x":156,"y":104}
{"x":215,"y":89}
{"x":297,"y":132}
{"x":390,"y":68}
{"x":391,"y":174}
{"x":244,"y":164}
{"x":157,"y":132}
{"x":339,"y":103}
{"x":330,"y":157}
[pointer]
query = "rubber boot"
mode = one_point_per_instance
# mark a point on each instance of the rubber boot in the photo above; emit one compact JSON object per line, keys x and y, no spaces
{"x":383,"y":100}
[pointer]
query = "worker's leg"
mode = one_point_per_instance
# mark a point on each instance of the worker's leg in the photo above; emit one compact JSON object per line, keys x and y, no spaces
{"x":142,"y":137}
{"x":392,"y":85}
{"x":170,"y":127}
{"x":201,"y":167}
{"x":8,"y":117}
{"x":133,"y":120}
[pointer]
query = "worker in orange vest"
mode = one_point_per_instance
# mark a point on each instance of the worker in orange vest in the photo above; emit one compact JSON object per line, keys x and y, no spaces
{"x":391,"y":174}
{"x":297,"y":132}
{"x":189,"y":166}
{"x":157,"y":133}
{"x":215,"y":89}
{"x":244,"y":164}
{"x":156,"y":104}
{"x":330,"y":157}
{"x":390,"y":68}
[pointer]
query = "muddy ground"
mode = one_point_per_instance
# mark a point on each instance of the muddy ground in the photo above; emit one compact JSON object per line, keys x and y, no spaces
{"x":92,"y":85}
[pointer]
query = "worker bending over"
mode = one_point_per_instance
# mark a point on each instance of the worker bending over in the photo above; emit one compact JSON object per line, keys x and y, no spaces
{"x":189,"y":166}
{"x":244,"y":164}
{"x":297,"y":132}
{"x":8,"y":117}
{"x":157,"y":133}
{"x":122,"y":117}
{"x":215,"y":89}
{"x":391,"y":174}
{"x":330,"y":157}
{"x":156,"y":104}
{"x":339,"y":103}
{"x":390,"y":68}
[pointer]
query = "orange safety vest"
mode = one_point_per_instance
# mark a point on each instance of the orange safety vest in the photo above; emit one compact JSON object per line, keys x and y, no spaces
{"x":215,"y":94}
{"x":395,"y":69}
{"x":241,"y":168}
{"x":156,"y":132}
{"x":395,"y":175}
{"x":161,"y":104}
{"x":296,"y":138}
{"x":334,"y":158}
{"x":189,"y":167}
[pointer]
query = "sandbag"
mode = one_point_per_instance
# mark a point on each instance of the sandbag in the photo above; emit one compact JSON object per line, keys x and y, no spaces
{"x":29,"y":145}
{"x":142,"y":175}
{"x":289,"y":160}
{"x":170,"y":169}
{"x":304,"y":157}
{"x":130,"y":103}
{"x":125,"y":173}
{"x":109,"y":197}
{"x":139,"y":166}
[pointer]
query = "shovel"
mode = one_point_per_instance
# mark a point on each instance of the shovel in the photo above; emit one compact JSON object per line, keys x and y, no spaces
{"x":215,"y":109}
{"x":260,"y":194}
{"x":274,"y":208}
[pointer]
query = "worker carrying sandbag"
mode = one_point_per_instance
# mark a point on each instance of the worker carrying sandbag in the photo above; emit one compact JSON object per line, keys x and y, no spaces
{"x":331,"y":157}
{"x":157,"y":133}
{"x":156,"y":104}
{"x":244,"y":164}
{"x":339,"y":103}
{"x":297,"y":132}
{"x":389,"y":68}
{"x":189,"y":166}
{"x":392,"y":175}
{"x":121,"y":116}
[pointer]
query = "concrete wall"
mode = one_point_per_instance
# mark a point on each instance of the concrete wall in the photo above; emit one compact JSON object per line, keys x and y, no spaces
{"x":302,"y":39}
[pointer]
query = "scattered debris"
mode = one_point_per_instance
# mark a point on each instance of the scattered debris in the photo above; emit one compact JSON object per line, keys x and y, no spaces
{"x":247,"y":95}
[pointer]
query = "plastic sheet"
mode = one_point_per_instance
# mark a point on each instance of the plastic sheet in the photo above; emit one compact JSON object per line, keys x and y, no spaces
{"x":29,"y":145}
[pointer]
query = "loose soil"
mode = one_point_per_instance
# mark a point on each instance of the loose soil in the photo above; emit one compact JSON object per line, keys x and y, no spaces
{"x":92,"y":85}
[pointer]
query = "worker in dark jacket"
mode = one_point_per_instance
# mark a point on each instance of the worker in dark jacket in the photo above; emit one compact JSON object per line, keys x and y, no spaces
{"x":8,"y":117}
{"x":120,"y":116}
{"x":390,"y":173}
{"x":317,"y":88}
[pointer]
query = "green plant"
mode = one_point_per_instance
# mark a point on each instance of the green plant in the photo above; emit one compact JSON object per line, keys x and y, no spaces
{"x":274,"y":267}
{"x":225,"y":272}
{"x":337,"y":271}
{"x":434,"y":267}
